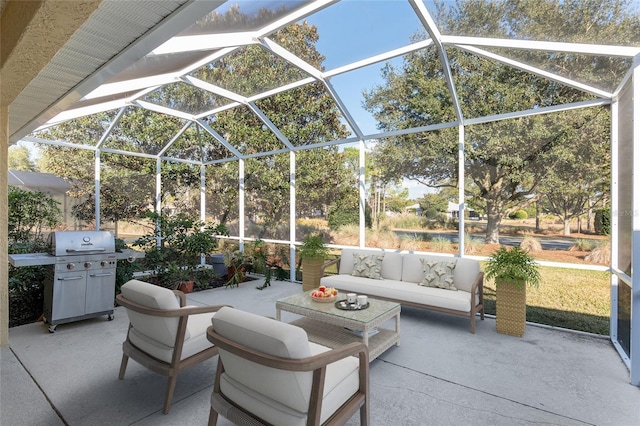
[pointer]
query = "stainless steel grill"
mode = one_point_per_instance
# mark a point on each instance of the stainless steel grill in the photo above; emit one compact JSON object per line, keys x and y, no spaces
{"x":81,"y":281}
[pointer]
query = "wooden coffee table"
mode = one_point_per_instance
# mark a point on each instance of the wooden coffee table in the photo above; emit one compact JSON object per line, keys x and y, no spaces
{"x":329,"y":326}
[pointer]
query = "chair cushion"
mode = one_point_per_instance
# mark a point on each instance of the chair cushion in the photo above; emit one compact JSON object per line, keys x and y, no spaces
{"x":341,"y":382}
{"x":162,"y":330}
{"x":274,"y":338}
{"x":196,"y":342}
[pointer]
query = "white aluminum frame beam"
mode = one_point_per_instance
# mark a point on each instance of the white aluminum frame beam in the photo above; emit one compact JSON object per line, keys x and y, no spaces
{"x":431,"y":27}
{"x":547,"y":46}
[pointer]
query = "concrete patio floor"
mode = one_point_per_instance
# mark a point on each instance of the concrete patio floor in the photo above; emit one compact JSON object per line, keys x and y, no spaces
{"x":441,"y":374}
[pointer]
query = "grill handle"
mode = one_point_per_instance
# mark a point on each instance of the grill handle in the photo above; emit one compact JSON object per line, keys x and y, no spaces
{"x":71,"y":278}
{"x":101,"y":275}
{"x":85,"y":250}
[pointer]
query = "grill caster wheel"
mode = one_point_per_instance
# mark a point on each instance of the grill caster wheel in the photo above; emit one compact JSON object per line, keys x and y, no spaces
{"x":109,"y":317}
{"x":52,"y":328}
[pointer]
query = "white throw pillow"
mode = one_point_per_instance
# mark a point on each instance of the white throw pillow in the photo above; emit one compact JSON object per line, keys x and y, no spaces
{"x":367,"y":266}
{"x":438,"y":274}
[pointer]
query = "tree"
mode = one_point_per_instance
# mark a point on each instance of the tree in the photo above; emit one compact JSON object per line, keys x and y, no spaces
{"x":20,"y":159}
{"x":30,"y":213}
{"x":582,"y":175}
{"x":506,"y":161}
{"x":304,"y":115}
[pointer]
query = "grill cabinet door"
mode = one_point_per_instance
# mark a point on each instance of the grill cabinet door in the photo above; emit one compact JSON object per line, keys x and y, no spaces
{"x":69,"y":291}
{"x":101,"y":290}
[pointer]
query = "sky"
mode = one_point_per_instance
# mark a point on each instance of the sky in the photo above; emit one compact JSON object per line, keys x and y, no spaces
{"x":349,"y":32}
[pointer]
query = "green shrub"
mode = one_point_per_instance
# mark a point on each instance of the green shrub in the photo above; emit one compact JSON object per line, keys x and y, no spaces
{"x":519,"y":214}
{"x":30,"y":212}
{"x":26,"y":285}
{"x":602,"y":222}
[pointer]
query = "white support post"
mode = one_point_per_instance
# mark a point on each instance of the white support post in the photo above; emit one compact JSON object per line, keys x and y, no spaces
{"x":241,"y":211}
{"x":292,"y":215}
{"x":635,"y":225}
{"x":96,"y":174}
{"x":203,"y":205}
{"x":613,"y":322}
{"x":158,"y":199}
{"x":461,"y":197}
{"x":362,"y":195}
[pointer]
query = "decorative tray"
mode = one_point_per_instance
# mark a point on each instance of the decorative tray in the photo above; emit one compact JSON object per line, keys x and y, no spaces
{"x":324,"y":299}
{"x":342,"y":304}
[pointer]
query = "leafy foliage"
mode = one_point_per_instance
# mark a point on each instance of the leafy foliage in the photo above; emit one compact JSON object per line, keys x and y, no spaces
{"x":183,"y":240}
{"x":515,"y":265}
{"x":29,"y":213}
{"x":603,"y":221}
{"x":511,"y":163}
{"x":313,"y":247}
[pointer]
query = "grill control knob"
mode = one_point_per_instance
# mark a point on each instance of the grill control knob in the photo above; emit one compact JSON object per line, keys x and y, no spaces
{"x":70,"y":266}
{"x":87,"y":264}
{"x":104,"y":263}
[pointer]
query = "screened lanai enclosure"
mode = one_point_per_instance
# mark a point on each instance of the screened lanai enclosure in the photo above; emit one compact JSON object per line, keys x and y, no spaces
{"x":284,"y":118}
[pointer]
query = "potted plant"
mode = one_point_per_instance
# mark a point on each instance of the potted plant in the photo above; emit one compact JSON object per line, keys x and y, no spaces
{"x":512,"y":271}
{"x":312,"y":253}
{"x":183,"y":241}
{"x":236,"y":265}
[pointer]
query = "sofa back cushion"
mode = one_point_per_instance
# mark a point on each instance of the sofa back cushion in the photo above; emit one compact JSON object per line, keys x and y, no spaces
{"x":391,"y":264}
{"x":464,"y":273}
{"x":290,"y":388}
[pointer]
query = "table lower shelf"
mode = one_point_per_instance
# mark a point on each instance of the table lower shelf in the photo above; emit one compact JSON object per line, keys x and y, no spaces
{"x":333,"y":336}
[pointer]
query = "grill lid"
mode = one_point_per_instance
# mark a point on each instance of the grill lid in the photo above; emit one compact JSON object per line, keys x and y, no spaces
{"x":66,"y":243}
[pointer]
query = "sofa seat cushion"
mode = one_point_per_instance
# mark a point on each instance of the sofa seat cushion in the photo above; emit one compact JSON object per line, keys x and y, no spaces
{"x":401,"y":291}
{"x":195,"y":342}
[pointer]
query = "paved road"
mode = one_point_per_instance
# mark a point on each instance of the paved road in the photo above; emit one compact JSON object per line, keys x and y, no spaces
{"x":546,"y":243}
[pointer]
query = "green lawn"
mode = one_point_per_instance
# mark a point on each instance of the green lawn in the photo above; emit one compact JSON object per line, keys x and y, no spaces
{"x":568,"y":298}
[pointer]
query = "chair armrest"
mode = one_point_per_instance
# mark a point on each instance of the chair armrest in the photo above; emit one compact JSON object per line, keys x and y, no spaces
{"x":193,"y":310}
{"x":477,"y":288}
{"x":327,"y":264}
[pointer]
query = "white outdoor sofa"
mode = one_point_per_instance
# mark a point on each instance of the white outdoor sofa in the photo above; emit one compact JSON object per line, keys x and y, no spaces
{"x":399,"y":279}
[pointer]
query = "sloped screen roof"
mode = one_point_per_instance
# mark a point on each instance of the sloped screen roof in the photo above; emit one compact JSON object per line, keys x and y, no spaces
{"x":253,"y":62}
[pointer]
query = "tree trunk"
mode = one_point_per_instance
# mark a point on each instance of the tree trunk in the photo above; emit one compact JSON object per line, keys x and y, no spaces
{"x":567,"y":227}
{"x":493,"y":224}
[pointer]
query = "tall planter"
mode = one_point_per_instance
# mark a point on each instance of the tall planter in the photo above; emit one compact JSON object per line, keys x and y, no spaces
{"x":511,"y":307}
{"x":512,"y":270}
{"x":312,"y":253}
{"x":311,"y":273}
